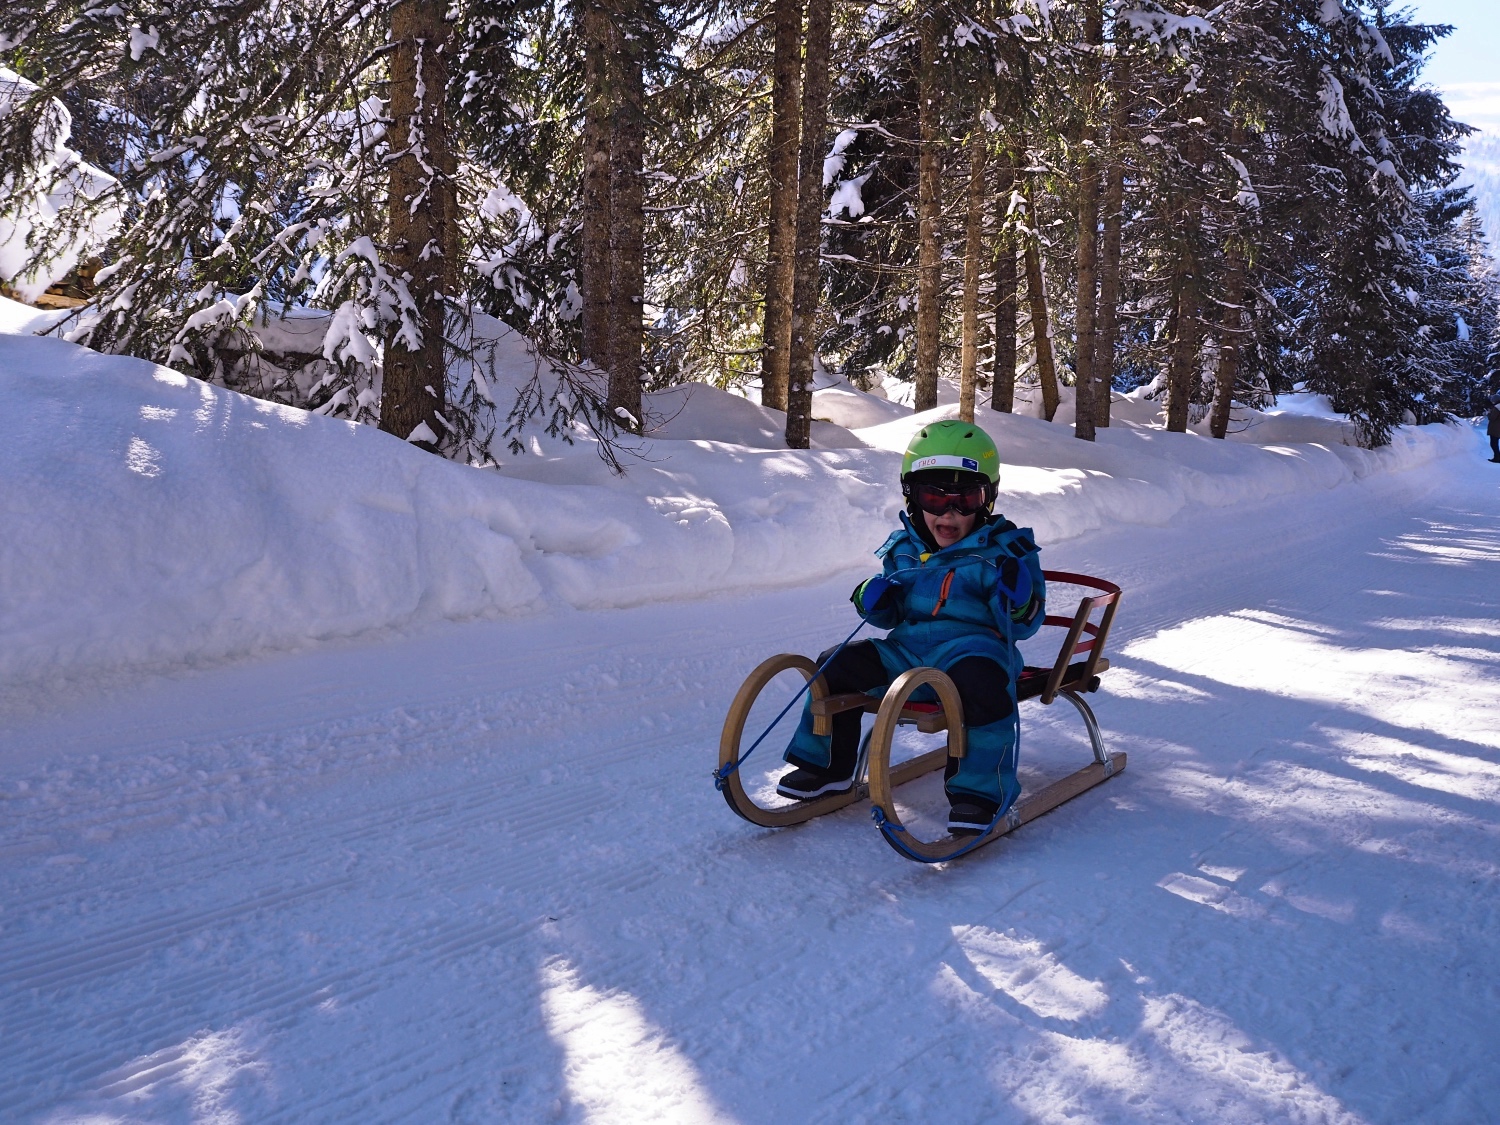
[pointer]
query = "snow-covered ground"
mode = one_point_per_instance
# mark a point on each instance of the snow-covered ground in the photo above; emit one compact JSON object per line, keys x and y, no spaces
{"x":158,"y":520}
{"x":449,"y":856}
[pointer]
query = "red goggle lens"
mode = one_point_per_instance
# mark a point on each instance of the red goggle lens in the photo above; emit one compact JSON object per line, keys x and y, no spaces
{"x":937,"y":499}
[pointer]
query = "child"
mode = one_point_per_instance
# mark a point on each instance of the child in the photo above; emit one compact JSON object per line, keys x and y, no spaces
{"x":960,"y":587}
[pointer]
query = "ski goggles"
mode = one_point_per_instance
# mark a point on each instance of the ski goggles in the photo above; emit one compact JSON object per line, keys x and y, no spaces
{"x":935,"y":499}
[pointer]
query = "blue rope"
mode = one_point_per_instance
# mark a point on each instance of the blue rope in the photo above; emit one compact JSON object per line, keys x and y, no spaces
{"x":721,"y":775}
{"x":890,"y":831}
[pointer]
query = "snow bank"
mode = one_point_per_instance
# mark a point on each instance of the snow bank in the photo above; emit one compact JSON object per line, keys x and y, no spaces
{"x":157,"y":519}
{"x":154,"y":519}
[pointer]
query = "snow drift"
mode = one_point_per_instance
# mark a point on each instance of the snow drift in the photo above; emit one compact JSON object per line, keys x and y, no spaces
{"x":154,"y":519}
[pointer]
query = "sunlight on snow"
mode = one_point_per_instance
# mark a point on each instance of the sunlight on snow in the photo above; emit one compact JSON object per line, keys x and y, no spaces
{"x":1293,"y":795}
{"x":618,"y":1066}
{"x":1344,"y":912}
{"x":1459,"y":774}
{"x":1029,"y":975}
{"x":205,"y":1068}
{"x":141,"y":458}
{"x":1261,"y":652}
{"x":1186,"y":1062}
{"x":1228,"y":874}
{"x":1129,"y":684}
{"x":158,"y":413}
{"x":1200,"y":1039}
{"x":1204,"y":892}
{"x":1446,"y":545}
{"x":208,"y":407}
{"x":1465,"y":626}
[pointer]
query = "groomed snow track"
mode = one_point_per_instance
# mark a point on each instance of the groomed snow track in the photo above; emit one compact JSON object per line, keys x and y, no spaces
{"x":482,"y":874}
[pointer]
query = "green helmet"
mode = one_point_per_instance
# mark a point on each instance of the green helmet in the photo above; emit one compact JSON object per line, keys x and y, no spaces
{"x":961,"y":447}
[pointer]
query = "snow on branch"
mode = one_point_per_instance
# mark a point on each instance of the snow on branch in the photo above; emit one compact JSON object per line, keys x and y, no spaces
{"x":1158,"y":26}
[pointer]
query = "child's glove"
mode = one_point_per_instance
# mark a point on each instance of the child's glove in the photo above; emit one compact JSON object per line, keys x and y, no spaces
{"x":874,"y":593}
{"x":1015,"y":583}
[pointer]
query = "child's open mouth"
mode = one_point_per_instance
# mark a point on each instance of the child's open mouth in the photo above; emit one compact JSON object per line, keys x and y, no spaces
{"x":947,"y":530}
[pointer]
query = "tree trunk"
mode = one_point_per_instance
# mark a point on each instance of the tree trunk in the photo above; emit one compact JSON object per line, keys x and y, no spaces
{"x":1003,"y":390}
{"x":973,"y":248}
{"x":422,"y":213}
{"x":929,"y":216}
{"x":1036,"y":295}
{"x":628,"y":226}
{"x":1085,"y":391}
{"x":598,"y":128}
{"x":1184,"y":366}
{"x":1108,"y":333}
{"x":1232,"y":317}
{"x":1227,"y":371}
{"x":1184,"y":343}
{"x":781,"y":252}
{"x":807,"y":283}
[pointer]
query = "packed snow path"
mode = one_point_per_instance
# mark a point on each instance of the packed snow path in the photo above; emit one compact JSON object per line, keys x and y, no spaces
{"x":482,"y":875}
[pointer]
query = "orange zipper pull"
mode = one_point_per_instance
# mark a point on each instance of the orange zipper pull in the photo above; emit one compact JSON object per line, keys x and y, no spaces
{"x":943,"y":593}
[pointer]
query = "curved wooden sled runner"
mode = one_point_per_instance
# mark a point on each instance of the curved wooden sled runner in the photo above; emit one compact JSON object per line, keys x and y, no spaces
{"x":876,"y":778}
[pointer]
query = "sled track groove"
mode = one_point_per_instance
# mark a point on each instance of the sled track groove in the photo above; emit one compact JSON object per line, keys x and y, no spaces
{"x":43,"y":970}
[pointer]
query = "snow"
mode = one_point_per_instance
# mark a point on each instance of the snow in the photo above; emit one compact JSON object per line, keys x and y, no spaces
{"x":848,"y":197}
{"x":1333,"y":111}
{"x":167,"y":521}
{"x":340,"y":782}
{"x":72,"y":182}
{"x":143,"y":40}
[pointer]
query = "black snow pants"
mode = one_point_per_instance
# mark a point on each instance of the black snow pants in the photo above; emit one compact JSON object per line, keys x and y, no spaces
{"x":983,"y":687}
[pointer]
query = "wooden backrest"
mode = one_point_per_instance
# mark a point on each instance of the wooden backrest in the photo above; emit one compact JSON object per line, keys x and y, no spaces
{"x":1084,"y":635}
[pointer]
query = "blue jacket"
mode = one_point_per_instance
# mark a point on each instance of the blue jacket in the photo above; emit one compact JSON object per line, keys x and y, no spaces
{"x":955,"y":602}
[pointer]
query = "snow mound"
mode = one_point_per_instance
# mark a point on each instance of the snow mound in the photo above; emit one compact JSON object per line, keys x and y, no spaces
{"x":696,"y":410}
{"x":153,"y":519}
{"x":159,"y":519}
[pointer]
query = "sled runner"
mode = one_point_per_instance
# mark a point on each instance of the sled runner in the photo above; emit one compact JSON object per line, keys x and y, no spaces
{"x":875,"y":777}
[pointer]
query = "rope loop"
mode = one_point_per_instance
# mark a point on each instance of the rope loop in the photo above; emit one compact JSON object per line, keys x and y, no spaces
{"x":877,"y":814}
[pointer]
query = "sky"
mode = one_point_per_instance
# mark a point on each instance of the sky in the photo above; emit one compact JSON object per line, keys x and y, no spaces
{"x":1466,"y":65}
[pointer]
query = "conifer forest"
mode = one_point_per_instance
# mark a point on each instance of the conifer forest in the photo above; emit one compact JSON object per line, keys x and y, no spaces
{"x":1220,"y":203}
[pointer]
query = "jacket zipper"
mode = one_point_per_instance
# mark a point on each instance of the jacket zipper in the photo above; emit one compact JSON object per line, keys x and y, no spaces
{"x":943,"y":593}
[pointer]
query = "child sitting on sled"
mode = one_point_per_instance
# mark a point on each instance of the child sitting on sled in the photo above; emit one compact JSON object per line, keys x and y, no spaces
{"x":961,"y":585}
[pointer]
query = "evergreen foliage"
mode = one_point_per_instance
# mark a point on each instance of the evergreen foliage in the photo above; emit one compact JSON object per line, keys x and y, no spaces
{"x":1283,"y":198}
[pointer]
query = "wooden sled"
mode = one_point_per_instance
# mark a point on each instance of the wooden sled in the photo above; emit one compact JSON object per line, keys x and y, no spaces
{"x":874,"y":775}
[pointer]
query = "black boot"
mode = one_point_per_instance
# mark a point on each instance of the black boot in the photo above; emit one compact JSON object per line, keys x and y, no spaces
{"x":970,"y":815}
{"x":803,"y":784}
